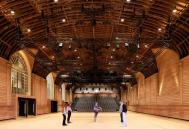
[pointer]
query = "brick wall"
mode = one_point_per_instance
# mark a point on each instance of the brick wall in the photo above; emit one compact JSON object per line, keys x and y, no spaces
{"x":165,"y":93}
{"x":7,"y":107}
{"x":39,"y":90}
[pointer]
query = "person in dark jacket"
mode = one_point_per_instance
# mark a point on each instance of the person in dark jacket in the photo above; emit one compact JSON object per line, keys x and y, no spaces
{"x":120,"y":110}
{"x":124,"y":113}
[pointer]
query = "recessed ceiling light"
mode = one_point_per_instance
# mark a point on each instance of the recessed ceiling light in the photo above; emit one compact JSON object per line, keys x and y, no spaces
{"x":128,"y":0}
{"x":122,"y":19}
{"x":78,"y":57}
{"x":113,"y":49}
{"x":75,"y":50}
{"x":132,"y":62}
{"x":12,"y":12}
{"x":137,"y":56}
{"x":43,"y":47}
{"x":55,"y":1}
{"x":159,"y":29}
{"x":117,"y":38}
{"x":63,"y":20}
{"x":111,"y":57}
{"x":28,"y":30}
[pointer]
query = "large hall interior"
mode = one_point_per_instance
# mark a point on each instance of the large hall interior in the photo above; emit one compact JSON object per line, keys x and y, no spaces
{"x":55,"y":53}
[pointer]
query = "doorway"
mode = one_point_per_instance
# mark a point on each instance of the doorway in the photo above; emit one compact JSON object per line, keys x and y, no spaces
{"x":54,"y":106}
{"x":26,"y":107}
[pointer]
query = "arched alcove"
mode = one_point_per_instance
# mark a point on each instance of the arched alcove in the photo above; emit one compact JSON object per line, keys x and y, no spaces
{"x":50,"y":86}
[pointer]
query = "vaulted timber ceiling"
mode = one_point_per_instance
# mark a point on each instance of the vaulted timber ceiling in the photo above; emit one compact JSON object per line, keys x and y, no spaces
{"x":94,"y":40}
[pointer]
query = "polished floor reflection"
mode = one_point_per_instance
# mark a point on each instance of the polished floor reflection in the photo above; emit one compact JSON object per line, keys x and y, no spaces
{"x":105,"y":121}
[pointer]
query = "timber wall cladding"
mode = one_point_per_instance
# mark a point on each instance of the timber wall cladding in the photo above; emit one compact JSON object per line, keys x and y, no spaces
{"x":58,"y":97}
{"x":173,"y":102}
{"x":185,"y":80}
{"x":6,"y":100}
{"x":39,"y":90}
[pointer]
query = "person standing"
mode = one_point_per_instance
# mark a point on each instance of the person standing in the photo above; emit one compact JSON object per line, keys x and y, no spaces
{"x":69,"y":109}
{"x":124,"y":113}
{"x":97,"y":108}
{"x":120,"y":110}
{"x":64,"y":113}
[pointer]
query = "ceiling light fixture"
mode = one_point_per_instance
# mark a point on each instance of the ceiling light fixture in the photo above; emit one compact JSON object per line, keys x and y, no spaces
{"x":12,"y":12}
{"x":126,"y":44}
{"x":75,"y":50}
{"x":70,"y":46}
{"x":28,"y":30}
{"x":60,"y":44}
{"x":43,"y":47}
{"x":63,"y":20}
{"x":146,"y":46}
{"x":108,"y":44}
{"x":64,"y":75}
{"x":55,"y":1}
{"x":159,"y":29}
{"x":128,"y":0}
{"x":174,"y":10}
{"x":122,"y":19}
{"x":113,"y":49}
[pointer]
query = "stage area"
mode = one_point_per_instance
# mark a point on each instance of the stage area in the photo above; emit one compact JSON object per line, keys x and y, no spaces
{"x":105,"y":121}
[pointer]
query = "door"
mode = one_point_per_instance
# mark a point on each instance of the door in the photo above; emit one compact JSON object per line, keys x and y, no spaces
{"x":26,"y":107}
{"x":54,"y":106}
{"x":22,"y":107}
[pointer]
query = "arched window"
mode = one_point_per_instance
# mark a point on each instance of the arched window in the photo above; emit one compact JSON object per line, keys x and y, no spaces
{"x":19,"y":74}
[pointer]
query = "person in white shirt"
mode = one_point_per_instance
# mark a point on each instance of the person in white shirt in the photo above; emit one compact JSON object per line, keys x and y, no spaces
{"x":69,"y":109}
{"x":64,"y":113}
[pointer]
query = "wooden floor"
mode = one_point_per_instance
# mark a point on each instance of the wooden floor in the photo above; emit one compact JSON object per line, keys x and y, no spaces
{"x":105,"y":121}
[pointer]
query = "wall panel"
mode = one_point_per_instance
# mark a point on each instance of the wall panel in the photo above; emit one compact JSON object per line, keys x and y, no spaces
{"x":39,"y":90}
